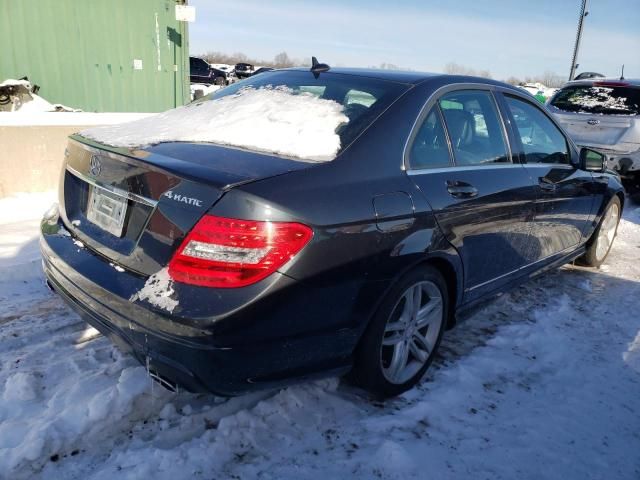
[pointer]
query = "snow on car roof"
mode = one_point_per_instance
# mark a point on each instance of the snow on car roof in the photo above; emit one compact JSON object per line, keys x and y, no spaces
{"x":266,"y":119}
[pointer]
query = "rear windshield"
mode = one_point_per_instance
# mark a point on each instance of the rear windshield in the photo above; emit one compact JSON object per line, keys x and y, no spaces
{"x":362,"y":98}
{"x":598,"y":99}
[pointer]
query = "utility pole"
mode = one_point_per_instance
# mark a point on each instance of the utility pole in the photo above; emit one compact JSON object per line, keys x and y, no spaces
{"x":574,"y":65}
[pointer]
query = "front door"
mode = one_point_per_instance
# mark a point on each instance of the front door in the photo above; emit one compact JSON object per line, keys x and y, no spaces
{"x":564,"y":192}
{"x":460,"y":160}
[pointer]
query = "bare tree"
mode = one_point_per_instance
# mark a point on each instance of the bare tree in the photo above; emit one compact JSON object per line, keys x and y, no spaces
{"x":388,"y":66}
{"x":548,"y":79}
{"x":552,"y":79}
{"x":241,"y":57}
{"x":282,"y":60}
{"x":453,"y":68}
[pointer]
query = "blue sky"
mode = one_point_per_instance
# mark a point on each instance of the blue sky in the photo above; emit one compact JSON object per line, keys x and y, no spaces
{"x":506,"y":37}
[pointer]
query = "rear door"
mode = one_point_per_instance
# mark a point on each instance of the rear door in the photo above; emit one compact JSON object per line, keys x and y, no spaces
{"x":564,"y":193}
{"x":460,"y":159}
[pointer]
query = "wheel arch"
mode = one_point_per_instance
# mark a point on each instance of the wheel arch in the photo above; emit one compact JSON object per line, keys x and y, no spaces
{"x":453,"y":281}
{"x":448,"y":264}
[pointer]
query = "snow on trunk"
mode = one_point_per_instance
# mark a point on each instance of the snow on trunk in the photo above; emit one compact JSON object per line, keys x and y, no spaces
{"x":270,"y":119}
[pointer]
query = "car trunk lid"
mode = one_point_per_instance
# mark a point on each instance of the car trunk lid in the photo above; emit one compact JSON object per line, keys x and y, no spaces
{"x":609,"y":131}
{"x":134,"y":206}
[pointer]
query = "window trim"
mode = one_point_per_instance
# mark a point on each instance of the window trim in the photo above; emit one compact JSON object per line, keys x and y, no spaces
{"x":434,"y":99}
{"x":571,"y":150}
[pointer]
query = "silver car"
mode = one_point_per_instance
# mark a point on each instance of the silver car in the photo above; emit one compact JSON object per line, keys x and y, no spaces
{"x":604,"y":114}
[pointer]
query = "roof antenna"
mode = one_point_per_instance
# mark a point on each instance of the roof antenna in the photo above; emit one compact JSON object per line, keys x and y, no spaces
{"x":317,"y":68}
{"x":622,"y":73}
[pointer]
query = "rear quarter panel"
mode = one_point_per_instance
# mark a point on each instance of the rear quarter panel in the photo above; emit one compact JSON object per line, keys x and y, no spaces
{"x":350,"y":263}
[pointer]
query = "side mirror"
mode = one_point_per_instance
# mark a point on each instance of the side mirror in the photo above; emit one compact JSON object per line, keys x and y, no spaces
{"x":592,"y":161}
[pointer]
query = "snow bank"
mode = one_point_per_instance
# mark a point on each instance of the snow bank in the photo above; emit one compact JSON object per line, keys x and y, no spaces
{"x":20,"y":387}
{"x":272,"y":120}
{"x":20,"y":217}
{"x":70,"y":413}
{"x":24,"y":100}
{"x":203,"y":88}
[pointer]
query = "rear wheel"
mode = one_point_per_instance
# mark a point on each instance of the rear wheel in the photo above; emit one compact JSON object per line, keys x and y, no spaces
{"x":401,"y":341}
{"x":602,"y":239}
{"x":633,"y":187}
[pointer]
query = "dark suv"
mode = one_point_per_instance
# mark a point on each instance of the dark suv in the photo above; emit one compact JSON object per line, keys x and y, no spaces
{"x":244,"y":70}
{"x":202,"y":72}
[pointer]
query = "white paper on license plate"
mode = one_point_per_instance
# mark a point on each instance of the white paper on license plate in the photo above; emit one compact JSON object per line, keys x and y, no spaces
{"x":106,"y":210}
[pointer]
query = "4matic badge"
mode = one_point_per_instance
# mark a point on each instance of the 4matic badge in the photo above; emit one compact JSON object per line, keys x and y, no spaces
{"x":183,"y":199}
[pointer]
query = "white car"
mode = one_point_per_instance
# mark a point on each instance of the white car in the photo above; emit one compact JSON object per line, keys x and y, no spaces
{"x":604,"y":114}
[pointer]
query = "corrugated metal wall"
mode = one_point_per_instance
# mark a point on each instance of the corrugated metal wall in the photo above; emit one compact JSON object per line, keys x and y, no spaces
{"x":82,"y":52}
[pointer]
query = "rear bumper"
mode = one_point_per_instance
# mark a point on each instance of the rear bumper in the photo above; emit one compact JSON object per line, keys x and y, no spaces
{"x":227,"y":354}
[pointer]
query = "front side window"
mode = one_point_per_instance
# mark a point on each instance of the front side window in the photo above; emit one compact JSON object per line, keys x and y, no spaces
{"x":429,"y":148}
{"x":474,"y":127}
{"x":542,"y":141}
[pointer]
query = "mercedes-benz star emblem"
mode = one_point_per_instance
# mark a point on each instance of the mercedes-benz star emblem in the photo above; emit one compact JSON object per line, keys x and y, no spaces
{"x":593,"y":121}
{"x":95,"y":166}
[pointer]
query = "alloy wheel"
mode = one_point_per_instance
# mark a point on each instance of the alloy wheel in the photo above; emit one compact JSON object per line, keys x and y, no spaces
{"x":411,"y":332}
{"x":607,"y":231}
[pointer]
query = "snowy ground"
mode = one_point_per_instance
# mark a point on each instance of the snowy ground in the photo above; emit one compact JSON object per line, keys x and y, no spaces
{"x":204,"y":89}
{"x":542,"y":383}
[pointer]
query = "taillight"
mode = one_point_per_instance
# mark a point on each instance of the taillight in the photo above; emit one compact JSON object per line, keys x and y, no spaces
{"x":610,"y":84}
{"x":229,"y":253}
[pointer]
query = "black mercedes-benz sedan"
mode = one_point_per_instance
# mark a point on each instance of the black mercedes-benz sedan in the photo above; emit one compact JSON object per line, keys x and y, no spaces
{"x":310,"y":223}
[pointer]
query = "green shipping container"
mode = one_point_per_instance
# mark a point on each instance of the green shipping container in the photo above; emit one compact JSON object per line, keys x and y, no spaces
{"x":98,"y":55}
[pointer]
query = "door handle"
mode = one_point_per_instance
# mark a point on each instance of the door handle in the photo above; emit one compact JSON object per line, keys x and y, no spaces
{"x":546,"y":185}
{"x":461,"y":189}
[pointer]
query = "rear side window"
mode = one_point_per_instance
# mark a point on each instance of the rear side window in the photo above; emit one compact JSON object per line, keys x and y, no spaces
{"x":611,"y":100}
{"x":476,"y":134}
{"x":541,"y":140}
{"x":429,"y":149}
{"x":360,"y":98}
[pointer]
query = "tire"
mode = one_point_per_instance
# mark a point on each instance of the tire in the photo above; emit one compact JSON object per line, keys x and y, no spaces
{"x":601,"y":241}
{"x":633,"y":187}
{"x":399,"y":332}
